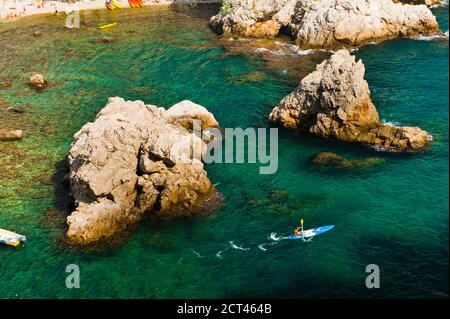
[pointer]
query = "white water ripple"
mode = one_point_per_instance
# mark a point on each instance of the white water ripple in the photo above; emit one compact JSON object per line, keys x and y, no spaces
{"x":197,"y":253}
{"x":234,"y":246}
{"x":273,"y":236}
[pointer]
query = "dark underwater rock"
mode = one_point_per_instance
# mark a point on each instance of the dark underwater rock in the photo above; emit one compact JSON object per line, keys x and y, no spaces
{"x":336,"y":161}
{"x":102,"y":40}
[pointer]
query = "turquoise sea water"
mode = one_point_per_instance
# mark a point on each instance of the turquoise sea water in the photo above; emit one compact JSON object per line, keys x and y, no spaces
{"x":394,"y":214}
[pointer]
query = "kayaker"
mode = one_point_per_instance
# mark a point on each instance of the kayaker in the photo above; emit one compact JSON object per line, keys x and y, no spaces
{"x":297,"y":231}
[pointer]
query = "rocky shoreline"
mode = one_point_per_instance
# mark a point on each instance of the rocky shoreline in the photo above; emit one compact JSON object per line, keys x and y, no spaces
{"x":136,"y":160}
{"x":325,"y":24}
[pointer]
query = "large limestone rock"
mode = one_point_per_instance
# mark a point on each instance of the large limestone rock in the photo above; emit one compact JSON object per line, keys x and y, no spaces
{"x":337,"y":23}
{"x":334,"y":101}
{"x":325,"y":23}
{"x":134,"y":159}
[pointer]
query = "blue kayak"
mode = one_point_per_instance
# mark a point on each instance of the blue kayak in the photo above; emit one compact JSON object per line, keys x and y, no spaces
{"x":311,"y":232}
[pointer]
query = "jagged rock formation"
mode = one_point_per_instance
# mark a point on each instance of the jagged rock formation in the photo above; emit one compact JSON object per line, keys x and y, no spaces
{"x":334,"y":101}
{"x":325,"y":23}
{"x":137,"y":159}
{"x":253,"y":18}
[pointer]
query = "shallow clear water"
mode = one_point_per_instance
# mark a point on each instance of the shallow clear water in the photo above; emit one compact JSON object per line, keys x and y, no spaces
{"x":394,"y":214}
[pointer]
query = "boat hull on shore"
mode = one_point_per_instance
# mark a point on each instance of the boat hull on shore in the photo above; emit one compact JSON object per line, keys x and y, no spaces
{"x":10,"y":238}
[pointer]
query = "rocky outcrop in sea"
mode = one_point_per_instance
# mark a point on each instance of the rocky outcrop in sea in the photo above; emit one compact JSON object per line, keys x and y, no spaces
{"x":37,"y":81}
{"x":426,"y":2}
{"x":334,"y":102}
{"x":327,"y":24}
{"x":136,"y":160}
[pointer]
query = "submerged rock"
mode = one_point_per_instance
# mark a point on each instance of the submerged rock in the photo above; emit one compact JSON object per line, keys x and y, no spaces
{"x":5,"y":85}
{"x":136,"y":160}
{"x":15,"y":110}
{"x":325,"y":23}
{"x":336,"y":161}
{"x":102,"y":40}
{"x":37,"y":81}
{"x":334,"y":101}
{"x":6,"y":136}
{"x":255,"y":76}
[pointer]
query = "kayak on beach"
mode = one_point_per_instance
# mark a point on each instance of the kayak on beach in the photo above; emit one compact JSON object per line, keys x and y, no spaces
{"x":9,"y":238}
{"x":107,"y":26}
{"x":136,"y":3}
{"x":299,"y":233}
{"x":116,"y":4}
{"x":109,"y":6}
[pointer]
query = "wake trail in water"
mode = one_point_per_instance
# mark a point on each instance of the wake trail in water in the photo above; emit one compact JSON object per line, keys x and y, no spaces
{"x":196,"y":253}
{"x":261,"y":246}
{"x":234,"y":246}
{"x":274,"y":240}
{"x":273,"y":236}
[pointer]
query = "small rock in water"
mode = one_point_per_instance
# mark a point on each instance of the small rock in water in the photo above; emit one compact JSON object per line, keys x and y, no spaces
{"x":37,"y":81}
{"x":336,"y":161}
{"x":6,"y":136}
{"x":15,"y":110}
{"x":102,"y":40}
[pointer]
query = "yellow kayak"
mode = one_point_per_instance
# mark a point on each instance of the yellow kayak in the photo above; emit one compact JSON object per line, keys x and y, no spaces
{"x":116,"y":4}
{"x":9,"y":238}
{"x":108,"y":26}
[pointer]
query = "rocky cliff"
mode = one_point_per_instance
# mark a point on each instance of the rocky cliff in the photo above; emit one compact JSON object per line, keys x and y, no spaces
{"x":325,"y":23}
{"x":334,"y":101}
{"x":137,"y":159}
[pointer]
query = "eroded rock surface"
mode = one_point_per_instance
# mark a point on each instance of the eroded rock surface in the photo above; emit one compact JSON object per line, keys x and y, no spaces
{"x":253,"y":18}
{"x":325,"y":23}
{"x":334,"y":101}
{"x":136,"y":159}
